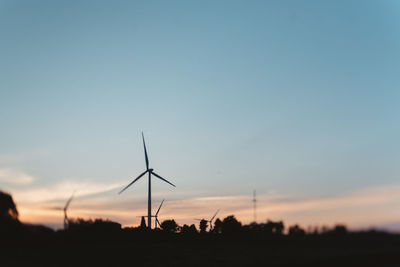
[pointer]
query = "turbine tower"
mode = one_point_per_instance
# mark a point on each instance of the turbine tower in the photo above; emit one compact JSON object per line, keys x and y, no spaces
{"x":150,"y":172}
{"x":65,"y":211}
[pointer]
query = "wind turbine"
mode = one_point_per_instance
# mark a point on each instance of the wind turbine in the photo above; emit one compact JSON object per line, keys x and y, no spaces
{"x":65,"y":211}
{"x":150,"y":172}
{"x":155,"y":216}
{"x":210,"y":221}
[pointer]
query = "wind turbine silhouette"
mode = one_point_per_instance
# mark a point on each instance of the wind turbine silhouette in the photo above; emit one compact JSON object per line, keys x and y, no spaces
{"x":155,"y":216}
{"x":151,"y":172}
{"x":65,"y":211}
{"x":210,"y":221}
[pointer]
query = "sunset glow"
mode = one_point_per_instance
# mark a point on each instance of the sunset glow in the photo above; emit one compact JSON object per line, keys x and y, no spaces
{"x":353,"y":209}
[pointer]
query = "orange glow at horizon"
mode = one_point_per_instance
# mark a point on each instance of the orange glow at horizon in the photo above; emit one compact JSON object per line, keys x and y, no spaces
{"x":353,"y":210}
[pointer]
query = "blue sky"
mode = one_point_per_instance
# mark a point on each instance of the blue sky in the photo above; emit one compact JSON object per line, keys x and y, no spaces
{"x":298,"y":98}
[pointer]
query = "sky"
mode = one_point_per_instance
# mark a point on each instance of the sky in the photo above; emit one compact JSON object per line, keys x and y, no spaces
{"x":297,"y":100}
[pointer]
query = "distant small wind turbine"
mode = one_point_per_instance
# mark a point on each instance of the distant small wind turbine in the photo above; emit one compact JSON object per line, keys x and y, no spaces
{"x":151,"y":172}
{"x":156,"y":215}
{"x":66,"y":209}
{"x":209,"y":221}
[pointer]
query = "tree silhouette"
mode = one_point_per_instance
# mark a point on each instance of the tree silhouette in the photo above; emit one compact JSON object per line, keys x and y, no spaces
{"x":338,"y":230}
{"x":185,"y":229}
{"x":203,"y":226}
{"x":9,"y":223}
{"x":230,"y":225}
{"x":217,"y":226}
{"x":270,"y":228}
{"x":193,"y":229}
{"x":98,"y":226}
{"x":188,"y":230}
{"x":278,"y":228}
{"x":8,"y":209}
{"x":170,"y":226}
{"x":295,"y":230}
{"x":143,"y":223}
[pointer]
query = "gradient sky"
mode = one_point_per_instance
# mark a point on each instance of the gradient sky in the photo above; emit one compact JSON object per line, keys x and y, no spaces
{"x":297,"y":99}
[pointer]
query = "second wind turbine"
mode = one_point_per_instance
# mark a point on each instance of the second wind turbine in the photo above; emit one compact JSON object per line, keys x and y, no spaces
{"x":151,"y":172}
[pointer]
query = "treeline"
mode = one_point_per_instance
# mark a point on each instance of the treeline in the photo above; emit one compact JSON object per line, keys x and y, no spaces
{"x":228,"y":226}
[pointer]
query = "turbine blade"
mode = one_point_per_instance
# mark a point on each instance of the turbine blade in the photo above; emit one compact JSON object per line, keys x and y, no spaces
{"x":69,"y":200}
{"x":165,"y":180}
{"x":145,"y":153}
{"x":214,"y":216}
{"x":160,"y":207}
{"x":132,"y":182}
{"x":157,"y":221}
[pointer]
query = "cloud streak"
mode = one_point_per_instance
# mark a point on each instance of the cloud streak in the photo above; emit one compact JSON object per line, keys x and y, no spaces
{"x":15,"y":177}
{"x":63,"y":190}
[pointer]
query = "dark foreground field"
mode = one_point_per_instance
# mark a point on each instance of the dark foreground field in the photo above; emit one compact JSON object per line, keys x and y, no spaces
{"x":228,"y":243}
{"x":368,"y":249}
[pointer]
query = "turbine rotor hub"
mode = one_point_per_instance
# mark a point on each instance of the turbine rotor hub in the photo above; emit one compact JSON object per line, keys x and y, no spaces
{"x":150,"y":170}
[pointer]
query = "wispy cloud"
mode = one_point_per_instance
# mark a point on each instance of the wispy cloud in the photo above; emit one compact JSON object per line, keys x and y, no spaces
{"x":62,"y":190}
{"x":15,"y":177}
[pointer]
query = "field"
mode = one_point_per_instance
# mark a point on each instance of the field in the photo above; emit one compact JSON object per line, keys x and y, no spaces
{"x":361,"y":249}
